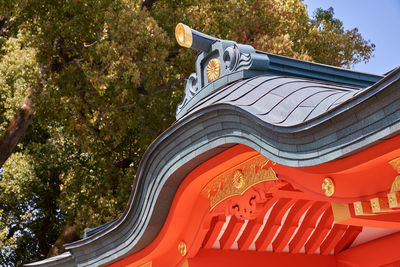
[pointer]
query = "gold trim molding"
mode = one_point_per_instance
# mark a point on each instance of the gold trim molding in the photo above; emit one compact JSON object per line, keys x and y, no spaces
{"x":238,"y":180}
{"x":396,"y":183}
{"x":395,"y":164}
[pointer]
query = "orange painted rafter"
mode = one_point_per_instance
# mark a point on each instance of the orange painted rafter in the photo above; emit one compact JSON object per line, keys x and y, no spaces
{"x":348,"y":238}
{"x":290,"y":225}
{"x":231,"y":232}
{"x":201,"y":234}
{"x":307,"y":226}
{"x":215,"y":228}
{"x":273,"y":223}
{"x":253,"y":227}
{"x":320,"y":232}
{"x":333,"y":238}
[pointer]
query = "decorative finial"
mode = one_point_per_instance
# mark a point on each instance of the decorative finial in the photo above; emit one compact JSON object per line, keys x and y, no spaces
{"x":187,"y":37}
{"x":217,"y":59}
{"x":183,"y":35}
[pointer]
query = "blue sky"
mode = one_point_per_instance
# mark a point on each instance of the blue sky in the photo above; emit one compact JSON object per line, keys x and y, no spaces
{"x":376,"y":20}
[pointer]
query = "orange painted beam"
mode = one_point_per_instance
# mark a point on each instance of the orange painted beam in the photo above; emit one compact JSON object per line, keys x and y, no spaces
{"x":236,"y":258}
{"x":380,"y":252}
{"x":348,"y":174}
{"x":281,"y":193}
{"x":345,"y":214}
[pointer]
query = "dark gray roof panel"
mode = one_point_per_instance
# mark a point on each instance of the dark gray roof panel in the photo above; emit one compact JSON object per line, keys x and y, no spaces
{"x":273,"y":99}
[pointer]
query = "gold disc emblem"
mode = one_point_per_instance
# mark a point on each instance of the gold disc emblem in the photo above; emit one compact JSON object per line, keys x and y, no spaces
{"x":213,"y":69}
{"x":328,"y":187}
{"x":238,"y":179}
{"x":182,"y":248}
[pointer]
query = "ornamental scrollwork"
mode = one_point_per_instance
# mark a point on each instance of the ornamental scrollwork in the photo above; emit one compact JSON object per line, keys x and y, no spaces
{"x":236,"y":60}
{"x":237,"y":181}
{"x":219,"y":60}
{"x":191,"y":89}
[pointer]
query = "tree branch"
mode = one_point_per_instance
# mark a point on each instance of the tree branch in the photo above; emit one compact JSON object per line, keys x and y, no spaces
{"x":148,"y":130}
{"x":169,"y":84}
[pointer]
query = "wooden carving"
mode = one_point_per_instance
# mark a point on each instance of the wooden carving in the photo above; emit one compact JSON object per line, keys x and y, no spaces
{"x":237,"y":181}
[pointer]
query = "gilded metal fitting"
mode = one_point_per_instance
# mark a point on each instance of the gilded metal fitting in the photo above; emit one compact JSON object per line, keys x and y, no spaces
{"x":238,"y":179}
{"x":328,"y":187}
{"x":213,"y":69}
{"x":183,"y":35}
{"x":182,"y":248}
{"x":393,"y":199}
{"x":358,"y":209}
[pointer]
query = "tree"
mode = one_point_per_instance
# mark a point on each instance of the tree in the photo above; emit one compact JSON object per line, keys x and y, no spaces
{"x":85,"y":86}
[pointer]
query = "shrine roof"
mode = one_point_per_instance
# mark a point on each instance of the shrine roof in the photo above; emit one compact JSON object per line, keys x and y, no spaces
{"x":294,"y":113}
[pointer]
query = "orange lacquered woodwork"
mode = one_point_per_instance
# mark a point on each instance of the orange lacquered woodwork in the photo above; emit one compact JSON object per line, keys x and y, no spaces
{"x":307,"y":226}
{"x":253,"y":227}
{"x":277,"y":214}
{"x":230,"y":258}
{"x":292,"y":220}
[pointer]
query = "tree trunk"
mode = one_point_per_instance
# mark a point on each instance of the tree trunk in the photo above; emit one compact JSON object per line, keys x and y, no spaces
{"x":16,"y":129}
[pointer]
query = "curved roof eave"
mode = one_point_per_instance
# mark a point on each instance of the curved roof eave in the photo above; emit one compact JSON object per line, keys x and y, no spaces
{"x":370,"y":116}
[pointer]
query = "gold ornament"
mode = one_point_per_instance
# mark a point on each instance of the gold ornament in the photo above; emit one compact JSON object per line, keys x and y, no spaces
{"x":183,"y":35}
{"x":182,"y":248}
{"x":213,"y":69}
{"x":358,"y":210}
{"x":328,"y":187}
{"x":236,"y":182}
{"x":238,"y":179}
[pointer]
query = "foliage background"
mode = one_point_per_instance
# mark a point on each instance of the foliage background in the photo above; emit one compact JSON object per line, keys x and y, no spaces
{"x":95,"y":81}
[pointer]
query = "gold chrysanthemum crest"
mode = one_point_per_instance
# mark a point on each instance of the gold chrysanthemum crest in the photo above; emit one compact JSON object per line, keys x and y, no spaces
{"x":213,"y":69}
